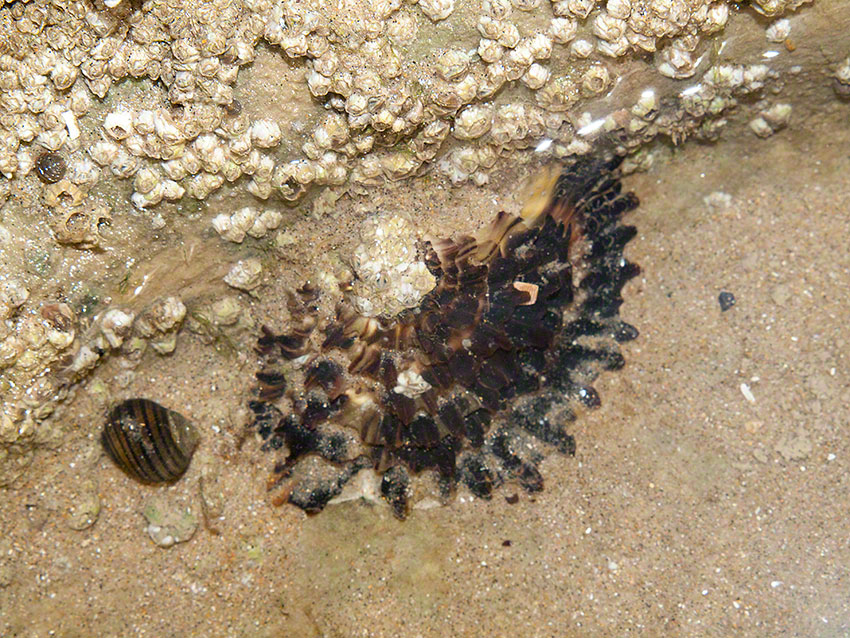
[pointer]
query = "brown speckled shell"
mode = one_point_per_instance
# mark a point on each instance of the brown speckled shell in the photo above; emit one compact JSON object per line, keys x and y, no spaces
{"x":50,"y":167}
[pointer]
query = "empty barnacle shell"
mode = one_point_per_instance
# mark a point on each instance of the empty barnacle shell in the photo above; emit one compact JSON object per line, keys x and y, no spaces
{"x":152,"y":444}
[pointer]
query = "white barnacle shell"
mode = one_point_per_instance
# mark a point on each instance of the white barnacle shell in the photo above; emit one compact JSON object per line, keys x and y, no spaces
{"x":26,"y":162}
{"x":619,"y":8}
{"x":8,"y":163}
{"x":118,"y":124}
{"x":436,"y":131}
{"x":240,"y":146}
{"x":52,"y":116}
{"x":138,"y":62}
{"x":318,"y":84}
{"x":14,"y":101}
{"x":144,"y":122}
{"x":123,"y":164}
{"x":558,"y":95}
{"x":99,"y":86}
{"x":246,"y":274}
{"x":562,"y":30}
{"x":473,"y":122}
{"x":225,"y":228}
{"x":641,"y":40}
{"x":116,"y":325}
{"x":146,"y":179}
{"x":437,"y":10}
{"x":295,"y":46}
{"x":581,"y":48}
{"x":52,"y":140}
{"x":79,"y":100}
{"x":607,"y":27}
{"x":205,"y":146}
{"x":541,"y":46}
{"x":779,"y":30}
{"x":614,"y":49}
{"x":581,"y":8}
{"x":489,"y":28}
{"x":165,"y":128}
{"x":509,"y":35}
{"x":596,"y":79}
{"x":264,"y":168}
{"x":27,"y":128}
{"x":411,"y":384}
{"x":265,"y":133}
{"x":646,"y":106}
{"x":104,"y":153}
{"x":174,"y":169}
{"x":63,"y":75}
{"x":676,"y":63}
{"x":146,"y":200}
{"x":777,"y":115}
{"x":452,"y":64}
{"x":754,"y":76}
{"x":215,"y":161}
{"x":498,"y":9}
{"x":356,"y":104}
{"x":489,"y":50}
{"x":208,"y":67}
{"x":83,"y":173}
{"x":334,"y":131}
{"x":383,"y":120}
{"x":185,"y":51}
{"x":716,"y":17}
{"x":520,"y":58}
{"x":760,"y":127}
{"x":536,"y":76}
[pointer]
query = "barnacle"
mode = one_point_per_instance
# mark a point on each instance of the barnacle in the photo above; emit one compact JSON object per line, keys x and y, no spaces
{"x":464,"y":388}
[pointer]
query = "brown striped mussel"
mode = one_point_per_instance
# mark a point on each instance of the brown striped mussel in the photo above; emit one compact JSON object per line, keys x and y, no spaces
{"x":148,"y":441}
{"x":478,"y":382}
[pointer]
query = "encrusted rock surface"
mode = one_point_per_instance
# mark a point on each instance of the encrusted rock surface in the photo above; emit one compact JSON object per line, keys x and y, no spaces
{"x":171,"y":119}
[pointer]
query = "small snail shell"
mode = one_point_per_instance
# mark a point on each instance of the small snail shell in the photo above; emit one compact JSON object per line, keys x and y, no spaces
{"x":50,"y":167}
{"x":149,"y":442}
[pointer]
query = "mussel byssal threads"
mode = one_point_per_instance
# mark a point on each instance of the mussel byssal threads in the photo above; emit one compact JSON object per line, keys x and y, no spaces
{"x":474,"y":385}
{"x":149,"y":442}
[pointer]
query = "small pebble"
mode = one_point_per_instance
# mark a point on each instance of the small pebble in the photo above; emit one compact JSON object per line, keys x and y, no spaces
{"x":727,"y":300}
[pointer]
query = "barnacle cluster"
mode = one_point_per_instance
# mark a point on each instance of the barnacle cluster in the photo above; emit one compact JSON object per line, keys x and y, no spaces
{"x":390,"y":275}
{"x":524,"y":314}
{"x":380,"y":102}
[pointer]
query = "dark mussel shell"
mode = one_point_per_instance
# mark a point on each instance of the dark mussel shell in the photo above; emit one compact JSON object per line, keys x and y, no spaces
{"x":149,"y":442}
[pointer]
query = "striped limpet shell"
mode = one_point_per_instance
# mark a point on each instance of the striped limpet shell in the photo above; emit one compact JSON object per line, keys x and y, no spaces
{"x":149,"y":442}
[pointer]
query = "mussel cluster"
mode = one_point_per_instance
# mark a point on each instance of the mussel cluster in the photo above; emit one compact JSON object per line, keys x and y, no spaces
{"x":523,"y":317}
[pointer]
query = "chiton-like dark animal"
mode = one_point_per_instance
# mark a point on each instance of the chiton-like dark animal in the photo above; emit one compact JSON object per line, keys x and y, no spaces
{"x":473,"y":385}
{"x":149,"y":442}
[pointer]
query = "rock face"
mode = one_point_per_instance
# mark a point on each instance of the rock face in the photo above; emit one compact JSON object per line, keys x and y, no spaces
{"x":128,"y":127}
